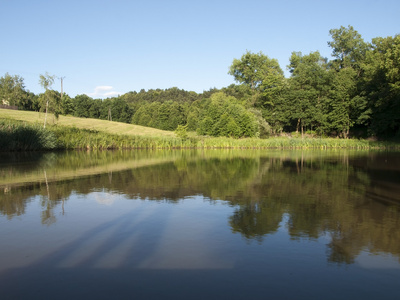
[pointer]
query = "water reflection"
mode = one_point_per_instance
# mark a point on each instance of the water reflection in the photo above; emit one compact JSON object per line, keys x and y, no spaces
{"x":351,"y":198}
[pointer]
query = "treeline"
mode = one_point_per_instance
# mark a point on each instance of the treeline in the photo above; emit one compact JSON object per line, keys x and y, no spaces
{"x":355,"y":94}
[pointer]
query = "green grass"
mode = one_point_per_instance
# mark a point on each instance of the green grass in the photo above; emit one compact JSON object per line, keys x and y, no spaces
{"x":295,"y":143}
{"x":20,"y":136}
{"x":23,"y":131}
{"x":17,"y":135}
{"x":84,"y":123}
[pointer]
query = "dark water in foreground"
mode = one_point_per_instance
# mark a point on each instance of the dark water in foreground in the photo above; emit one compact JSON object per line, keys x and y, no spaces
{"x":200,"y":225}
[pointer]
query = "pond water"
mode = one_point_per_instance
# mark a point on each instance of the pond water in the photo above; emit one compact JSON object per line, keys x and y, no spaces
{"x":215,"y":224}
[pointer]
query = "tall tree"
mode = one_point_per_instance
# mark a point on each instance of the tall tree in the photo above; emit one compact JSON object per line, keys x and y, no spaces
{"x":12,"y":91}
{"x":382,"y":78}
{"x":348,"y":48}
{"x":46,"y":81}
{"x":82,"y":105}
{"x":347,"y":108}
{"x":307,"y":90}
{"x":258,"y":71}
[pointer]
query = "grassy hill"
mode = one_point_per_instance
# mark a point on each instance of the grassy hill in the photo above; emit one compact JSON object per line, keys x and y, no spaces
{"x":81,"y":133}
{"x":83,"y":123}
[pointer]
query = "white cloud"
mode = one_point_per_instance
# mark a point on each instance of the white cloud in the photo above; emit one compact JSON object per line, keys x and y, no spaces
{"x":103,"y":91}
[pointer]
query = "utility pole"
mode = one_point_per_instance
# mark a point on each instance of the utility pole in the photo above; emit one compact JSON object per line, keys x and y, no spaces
{"x":61,"y":78}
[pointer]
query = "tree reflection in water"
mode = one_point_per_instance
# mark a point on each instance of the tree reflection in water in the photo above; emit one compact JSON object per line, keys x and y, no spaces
{"x":351,"y":197}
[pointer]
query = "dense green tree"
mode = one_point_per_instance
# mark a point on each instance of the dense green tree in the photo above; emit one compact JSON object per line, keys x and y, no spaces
{"x":382,"y":85}
{"x":253,"y":68}
{"x":342,"y":101}
{"x":346,"y":106}
{"x":82,"y":104}
{"x":95,"y":109}
{"x":160,"y":95}
{"x":32,"y":102}
{"x":13,"y":93}
{"x":241,"y":92}
{"x":307,"y":90}
{"x":166,"y":115}
{"x":67,"y":105}
{"x":348,"y":48}
{"x":194,"y":114}
{"x":223,"y":115}
{"x":120,"y":110}
{"x":263,"y":84}
{"x":261,"y":74}
{"x":143,"y":116}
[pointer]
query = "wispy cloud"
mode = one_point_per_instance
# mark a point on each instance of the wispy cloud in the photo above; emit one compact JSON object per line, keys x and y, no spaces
{"x":103,"y":91}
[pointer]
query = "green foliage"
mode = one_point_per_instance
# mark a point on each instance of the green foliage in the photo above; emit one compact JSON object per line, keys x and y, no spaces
{"x":51,"y":100}
{"x":181,"y":132}
{"x":382,"y":83}
{"x":356,"y":91}
{"x":114,"y":109}
{"x":264,"y":129}
{"x":348,"y":47}
{"x":296,"y":142}
{"x":307,"y":91}
{"x":346,"y":107}
{"x":82,"y":105}
{"x":253,"y":70}
{"x":67,"y":106}
{"x":159,"y":95}
{"x":20,"y":136}
{"x":13,"y":93}
{"x":162,"y":115}
{"x":46,"y":81}
{"x":119,"y":110}
{"x":74,"y":138}
{"x":222,"y":115}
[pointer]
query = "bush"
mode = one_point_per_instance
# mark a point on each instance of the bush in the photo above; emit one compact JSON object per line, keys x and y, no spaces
{"x":181,"y":132}
{"x":223,"y":115}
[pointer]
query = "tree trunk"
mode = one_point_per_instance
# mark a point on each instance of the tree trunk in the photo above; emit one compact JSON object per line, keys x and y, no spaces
{"x":45,"y":115}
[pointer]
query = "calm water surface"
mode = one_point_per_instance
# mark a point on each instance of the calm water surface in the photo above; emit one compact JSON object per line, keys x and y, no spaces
{"x":217,"y":224}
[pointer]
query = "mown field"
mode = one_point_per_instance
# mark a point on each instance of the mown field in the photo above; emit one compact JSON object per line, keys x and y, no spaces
{"x":84,"y":123}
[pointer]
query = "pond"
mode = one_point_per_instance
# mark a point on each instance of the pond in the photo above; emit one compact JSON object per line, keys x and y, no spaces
{"x":200,"y":224}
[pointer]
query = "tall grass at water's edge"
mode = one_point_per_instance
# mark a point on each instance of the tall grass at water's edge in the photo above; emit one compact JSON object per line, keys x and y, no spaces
{"x":296,"y":143}
{"x":21,"y":136}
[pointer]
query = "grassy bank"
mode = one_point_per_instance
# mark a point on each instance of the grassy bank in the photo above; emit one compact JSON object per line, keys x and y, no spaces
{"x":84,"y":123}
{"x":295,"y":143}
{"x":22,"y":136}
{"x":23,"y":131}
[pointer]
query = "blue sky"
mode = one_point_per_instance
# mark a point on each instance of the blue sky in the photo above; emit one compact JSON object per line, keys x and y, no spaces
{"x":104,"y":48}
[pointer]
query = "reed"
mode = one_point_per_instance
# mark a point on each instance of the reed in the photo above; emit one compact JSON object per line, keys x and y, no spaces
{"x":22,"y":136}
{"x":295,"y":143}
{"x":75,"y":138}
